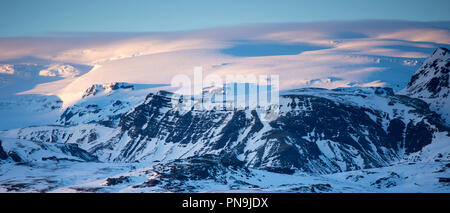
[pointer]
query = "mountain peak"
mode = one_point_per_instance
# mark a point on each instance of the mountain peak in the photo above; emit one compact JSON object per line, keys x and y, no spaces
{"x":106,"y":88}
{"x":431,"y":82}
{"x":432,"y":77}
{"x":441,"y":51}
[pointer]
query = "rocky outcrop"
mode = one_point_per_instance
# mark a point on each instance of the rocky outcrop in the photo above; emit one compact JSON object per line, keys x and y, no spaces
{"x":3,"y":155}
{"x":431,"y":82}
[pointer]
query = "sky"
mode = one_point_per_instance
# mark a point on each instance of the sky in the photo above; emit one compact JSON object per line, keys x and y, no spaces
{"x":37,"y":18}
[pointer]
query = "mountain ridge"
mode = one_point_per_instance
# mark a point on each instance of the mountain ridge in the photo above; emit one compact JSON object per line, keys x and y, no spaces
{"x":431,"y":82}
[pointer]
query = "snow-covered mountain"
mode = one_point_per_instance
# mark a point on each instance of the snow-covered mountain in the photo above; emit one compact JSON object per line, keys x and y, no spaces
{"x":344,"y":139}
{"x":431,"y":82}
{"x":317,"y":131}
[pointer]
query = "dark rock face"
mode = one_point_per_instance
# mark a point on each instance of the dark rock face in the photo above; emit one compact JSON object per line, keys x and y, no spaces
{"x":3,"y":155}
{"x":54,"y":158}
{"x":395,"y":131}
{"x":314,"y":188}
{"x":444,"y":180}
{"x":384,"y":91}
{"x":328,"y":121}
{"x":14,"y":156}
{"x":388,"y":181}
{"x":115,"y":181}
{"x":295,"y":141}
{"x":74,"y":150}
{"x":66,"y":116}
{"x":172,"y":176}
{"x":149,"y":113}
{"x":417,"y":136}
{"x":230,"y":132}
{"x":195,"y":168}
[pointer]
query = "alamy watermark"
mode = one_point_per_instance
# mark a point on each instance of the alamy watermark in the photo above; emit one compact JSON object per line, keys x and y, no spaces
{"x":228,"y":93}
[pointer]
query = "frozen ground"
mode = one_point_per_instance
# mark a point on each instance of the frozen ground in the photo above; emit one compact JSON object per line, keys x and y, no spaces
{"x":93,"y":177}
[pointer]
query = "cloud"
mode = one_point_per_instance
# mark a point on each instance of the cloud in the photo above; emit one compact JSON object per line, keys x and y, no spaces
{"x":133,"y":47}
{"x":352,"y":53}
{"x":7,"y":69}
{"x":419,"y":35}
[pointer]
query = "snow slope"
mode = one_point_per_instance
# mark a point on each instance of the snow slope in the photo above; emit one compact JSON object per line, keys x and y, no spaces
{"x":138,"y":177}
{"x":431,"y":82}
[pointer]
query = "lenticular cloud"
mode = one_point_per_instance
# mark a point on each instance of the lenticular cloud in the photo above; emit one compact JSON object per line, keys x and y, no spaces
{"x":304,"y":54}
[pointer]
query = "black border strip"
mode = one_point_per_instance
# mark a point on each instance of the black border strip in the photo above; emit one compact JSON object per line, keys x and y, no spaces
{"x":173,"y":201}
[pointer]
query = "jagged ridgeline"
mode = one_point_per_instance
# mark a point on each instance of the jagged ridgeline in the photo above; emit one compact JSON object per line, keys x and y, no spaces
{"x":431,"y":82}
{"x":317,"y":131}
